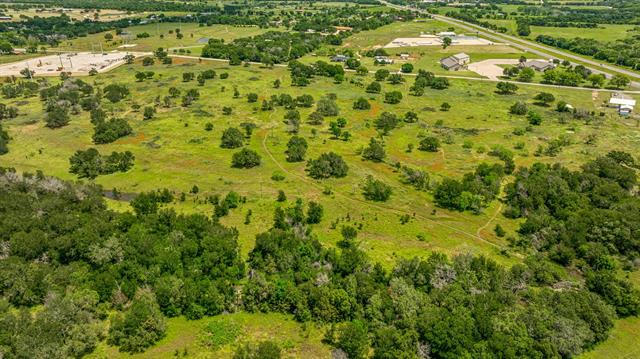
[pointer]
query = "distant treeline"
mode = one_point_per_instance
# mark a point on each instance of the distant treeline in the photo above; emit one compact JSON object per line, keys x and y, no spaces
{"x":623,"y":53}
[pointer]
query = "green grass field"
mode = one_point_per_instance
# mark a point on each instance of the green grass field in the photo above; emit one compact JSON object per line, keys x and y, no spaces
{"x":175,"y":151}
{"x":604,"y":32}
{"x":189,"y":337}
{"x":368,"y":39}
{"x":194,"y":37}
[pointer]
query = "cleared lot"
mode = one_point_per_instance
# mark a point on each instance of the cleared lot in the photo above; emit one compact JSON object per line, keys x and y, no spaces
{"x":76,"y":63}
{"x":490,"y":68}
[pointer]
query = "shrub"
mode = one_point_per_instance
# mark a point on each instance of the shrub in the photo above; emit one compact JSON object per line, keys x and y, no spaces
{"x":376,"y":190}
{"x":327,"y":165}
{"x":109,"y":131}
{"x":518,"y":108}
{"x":140,"y":326}
{"x":296,"y":149}
{"x":231,"y":138}
{"x":429,"y":144}
{"x":245,"y":158}
{"x":361,"y":104}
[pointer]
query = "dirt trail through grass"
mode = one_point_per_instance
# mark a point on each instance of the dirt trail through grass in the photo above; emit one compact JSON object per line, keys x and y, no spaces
{"x":373,"y":205}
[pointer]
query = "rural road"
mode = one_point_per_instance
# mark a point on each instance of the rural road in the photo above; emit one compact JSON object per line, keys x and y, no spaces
{"x":526,"y":45}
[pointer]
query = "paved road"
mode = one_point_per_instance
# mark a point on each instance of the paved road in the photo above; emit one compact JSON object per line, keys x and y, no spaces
{"x":528,"y":46}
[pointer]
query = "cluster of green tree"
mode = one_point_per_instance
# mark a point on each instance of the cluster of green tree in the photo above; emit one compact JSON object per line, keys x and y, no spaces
{"x":128,"y":5}
{"x":623,"y":53}
{"x":523,"y":27}
{"x":469,"y":16}
{"x":66,"y":246}
{"x":90,"y":163}
{"x":13,"y":88}
{"x":107,"y":131}
{"x":273,"y":47}
{"x":434,"y":307}
{"x":327,"y":165}
{"x":157,"y":263}
{"x":52,"y":30}
{"x":585,"y":218}
{"x":474,"y":192}
{"x":357,"y":18}
{"x":69,"y":96}
{"x":8,"y":112}
{"x":427,"y":79}
{"x":580,"y":16}
{"x":301,"y":73}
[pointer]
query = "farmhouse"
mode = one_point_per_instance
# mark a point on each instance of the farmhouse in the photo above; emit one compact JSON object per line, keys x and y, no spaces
{"x":623,"y":103}
{"x":455,"y":62}
{"x":538,"y":65}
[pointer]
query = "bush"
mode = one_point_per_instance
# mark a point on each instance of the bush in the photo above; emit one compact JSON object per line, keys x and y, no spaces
{"x":376,"y":190}
{"x":231,"y":138}
{"x":314,"y":213}
{"x":296,"y":149}
{"x":141,"y":326}
{"x":109,"y":131}
{"x":245,"y":158}
{"x":361,"y":104}
{"x":327,"y":165}
{"x":406,"y":68}
{"x":518,"y":108}
{"x":393,"y":97}
{"x":374,"y":87}
{"x":374,"y":152}
{"x":429,"y":144}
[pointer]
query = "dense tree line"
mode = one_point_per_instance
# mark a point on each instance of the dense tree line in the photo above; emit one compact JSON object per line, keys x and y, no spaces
{"x":63,"y":249}
{"x":585,"y":218}
{"x":269,"y":48}
{"x":623,"y":53}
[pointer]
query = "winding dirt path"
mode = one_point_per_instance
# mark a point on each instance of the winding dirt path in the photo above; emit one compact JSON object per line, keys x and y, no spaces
{"x":372,"y":205}
{"x":490,"y":220}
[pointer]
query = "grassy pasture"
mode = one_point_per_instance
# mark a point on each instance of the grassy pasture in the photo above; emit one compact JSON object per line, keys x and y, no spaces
{"x":369,"y":39}
{"x":75,"y":14}
{"x":189,"y":336}
{"x":192,"y":34}
{"x":604,"y":32}
{"x":175,"y":151}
